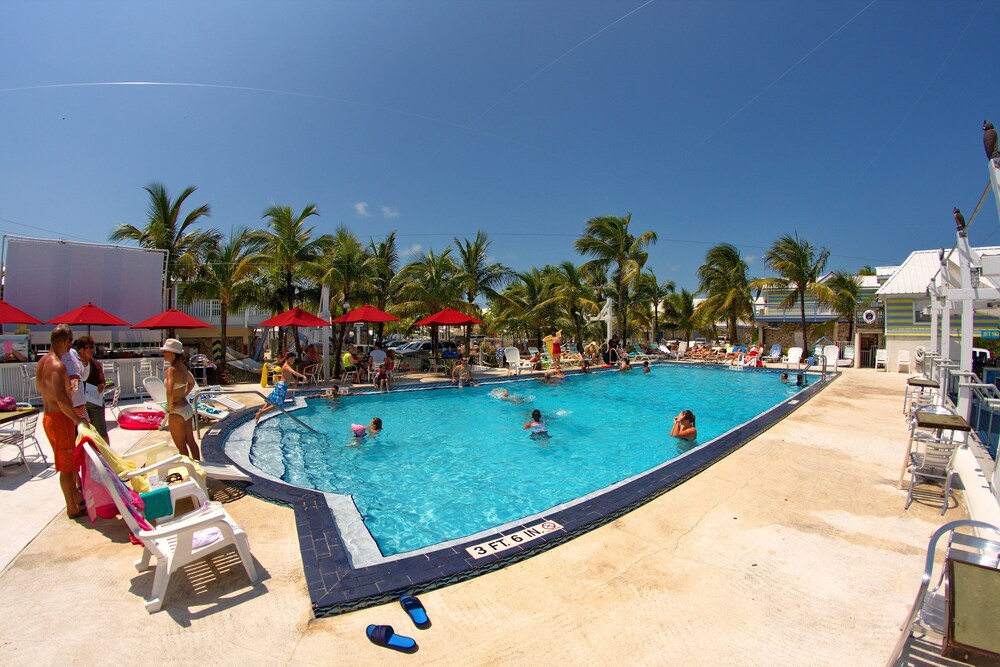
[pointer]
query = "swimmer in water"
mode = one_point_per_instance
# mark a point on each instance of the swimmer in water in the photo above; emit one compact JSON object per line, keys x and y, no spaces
{"x":503,"y":395}
{"x":683,"y":427}
{"x":361,"y":431}
{"x":645,"y":367}
{"x":536,"y":425}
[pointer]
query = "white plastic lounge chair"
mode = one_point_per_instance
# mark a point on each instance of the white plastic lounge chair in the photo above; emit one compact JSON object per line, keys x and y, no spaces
{"x":774,"y":356}
{"x":159,"y":451}
{"x":832,"y":354}
{"x":158,"y":392}
{"x":882,"y":357}
{"x":902,"y":359}
{"x":848,"y":358}
{"x":512,"y":356}
{"x":177,"y":542}
{"x":927,"y":621}
{"x":794,"y":357}
{"x":638,"y":355}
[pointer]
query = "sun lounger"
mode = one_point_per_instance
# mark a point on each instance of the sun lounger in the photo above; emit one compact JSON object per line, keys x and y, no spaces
{"x":162,"y":450}
{"x":638,"y":354}
{"x":177,"y":542}
{"x":774,"y":356}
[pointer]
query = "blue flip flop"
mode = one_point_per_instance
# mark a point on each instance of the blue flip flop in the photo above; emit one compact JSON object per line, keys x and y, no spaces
{"x":383,"y":635}
{"x":415,"y":609}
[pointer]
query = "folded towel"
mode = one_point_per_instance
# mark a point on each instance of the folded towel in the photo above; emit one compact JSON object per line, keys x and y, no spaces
{"x":158,"y":503}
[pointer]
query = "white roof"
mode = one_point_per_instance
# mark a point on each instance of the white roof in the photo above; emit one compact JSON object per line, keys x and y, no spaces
{"x":914,"y":274}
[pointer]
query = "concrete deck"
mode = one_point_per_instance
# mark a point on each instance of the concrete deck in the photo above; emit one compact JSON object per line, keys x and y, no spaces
{"x":794,"y":550}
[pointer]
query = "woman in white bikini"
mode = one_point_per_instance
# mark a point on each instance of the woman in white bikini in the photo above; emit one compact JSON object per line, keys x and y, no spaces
{"x":180,"y":413}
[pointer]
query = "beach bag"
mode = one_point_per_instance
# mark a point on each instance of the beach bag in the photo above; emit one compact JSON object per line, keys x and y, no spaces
{"x":8,"y":404}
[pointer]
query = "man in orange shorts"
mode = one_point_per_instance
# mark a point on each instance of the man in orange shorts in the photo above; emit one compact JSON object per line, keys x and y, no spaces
{"x":59,"y":419}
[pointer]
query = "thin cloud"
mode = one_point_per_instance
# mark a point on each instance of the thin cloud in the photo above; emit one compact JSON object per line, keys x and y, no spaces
{"x":415,"y":250}
{"x":361,"y":208}
{"x":389,"y":212}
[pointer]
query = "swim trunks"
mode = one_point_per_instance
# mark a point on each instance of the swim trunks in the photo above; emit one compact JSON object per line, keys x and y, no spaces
{"x":61,"y":432}
{"x":277,"y":396}
{"x":556,"y":349}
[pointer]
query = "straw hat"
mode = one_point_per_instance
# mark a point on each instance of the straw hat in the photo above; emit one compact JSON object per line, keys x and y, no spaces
{"x":172,"y":345}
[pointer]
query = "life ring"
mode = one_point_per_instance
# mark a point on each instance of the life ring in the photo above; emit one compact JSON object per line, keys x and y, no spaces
{"x":919,"y":353}
{"x":869,"y":316}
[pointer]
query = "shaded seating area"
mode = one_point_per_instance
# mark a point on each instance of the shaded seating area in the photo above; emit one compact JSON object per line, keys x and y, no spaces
{"x":954,"y":614}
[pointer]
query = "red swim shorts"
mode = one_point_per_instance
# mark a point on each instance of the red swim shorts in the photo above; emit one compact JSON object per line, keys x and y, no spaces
{"x":61,"y":432}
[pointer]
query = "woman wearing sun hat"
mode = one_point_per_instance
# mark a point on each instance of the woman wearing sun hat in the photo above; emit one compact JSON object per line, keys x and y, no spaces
{"x":180,"y":413}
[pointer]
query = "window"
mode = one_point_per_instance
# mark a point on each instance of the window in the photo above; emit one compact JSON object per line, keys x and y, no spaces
{"x":918,"y":312}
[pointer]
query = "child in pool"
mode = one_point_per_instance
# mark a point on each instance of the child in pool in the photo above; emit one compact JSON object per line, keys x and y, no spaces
{"x":536,"y":425}
{"x":361,"y":431}
{"x":645,"y":367}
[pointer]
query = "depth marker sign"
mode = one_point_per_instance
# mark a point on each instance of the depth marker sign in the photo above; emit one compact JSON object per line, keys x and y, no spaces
{"x":505,"y":542}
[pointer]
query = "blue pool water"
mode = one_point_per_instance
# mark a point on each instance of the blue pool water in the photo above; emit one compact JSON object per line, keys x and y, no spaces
{"x":453,"y":462}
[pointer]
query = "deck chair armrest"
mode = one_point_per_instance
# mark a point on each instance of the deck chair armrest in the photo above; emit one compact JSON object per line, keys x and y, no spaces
{"x":155,"y":447}
{"x":178,"y":460}
{"x":194,"y":520}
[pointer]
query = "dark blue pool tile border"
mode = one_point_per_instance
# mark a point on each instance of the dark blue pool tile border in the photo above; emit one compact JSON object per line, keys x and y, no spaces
{"x":336,"y":587}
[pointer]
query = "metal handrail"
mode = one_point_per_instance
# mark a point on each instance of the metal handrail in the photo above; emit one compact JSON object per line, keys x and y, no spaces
{"x":201,"y":390}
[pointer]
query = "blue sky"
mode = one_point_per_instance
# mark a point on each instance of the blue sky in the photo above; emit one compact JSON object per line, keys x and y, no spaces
{"x":855,"y":124}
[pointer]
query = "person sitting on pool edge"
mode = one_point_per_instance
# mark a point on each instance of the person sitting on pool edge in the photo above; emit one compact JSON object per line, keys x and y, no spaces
{"x":536,"y":425}
{"x":684,"y":427}
{"x":277,"y":395}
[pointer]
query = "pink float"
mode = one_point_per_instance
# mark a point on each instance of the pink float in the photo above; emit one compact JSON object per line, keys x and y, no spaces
{"x":139,"y":418}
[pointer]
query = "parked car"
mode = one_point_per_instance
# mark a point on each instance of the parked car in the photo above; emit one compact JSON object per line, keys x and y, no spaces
{"x":423,"y":348}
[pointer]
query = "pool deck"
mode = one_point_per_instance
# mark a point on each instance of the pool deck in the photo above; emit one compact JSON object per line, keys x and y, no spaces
{"x":793,"y":550}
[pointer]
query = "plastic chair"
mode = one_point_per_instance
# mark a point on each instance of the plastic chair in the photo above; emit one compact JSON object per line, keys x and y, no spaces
{"x":902,"y":359}
{"x":882,"y":357}
{"x":794,"y":357}
{"x":515,"y":364}
{"x":174,"y":543}
{"x":312,"y":373}
{"x":774,"y":356}
{"x":31,"y":395}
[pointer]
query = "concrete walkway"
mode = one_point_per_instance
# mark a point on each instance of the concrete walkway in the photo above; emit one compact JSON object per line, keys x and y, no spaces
{"x":794,"y":550}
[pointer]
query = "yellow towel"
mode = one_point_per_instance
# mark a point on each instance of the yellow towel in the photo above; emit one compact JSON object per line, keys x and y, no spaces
{"x":121,"y":465}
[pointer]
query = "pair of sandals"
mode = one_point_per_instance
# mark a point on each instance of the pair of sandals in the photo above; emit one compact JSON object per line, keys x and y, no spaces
{"x":384,"y":635}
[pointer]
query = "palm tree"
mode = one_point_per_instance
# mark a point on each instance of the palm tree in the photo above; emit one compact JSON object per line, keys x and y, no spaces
{"x":477,"y":275}
{"x":682,"y":310}
{"x":184,"y":245}
{"x":525,"y":302}
{"x":227,"y":274}
{"x":844,"y":297}
{"x":800,"y":266}
{"x":726,"y":286}
{"x":386,"y":257}
{"x":652,"y":291}
{"x":289,"y":249}
{"x":571,"y":294}
{"x":350,"y":273}
{"x":608,"y":240}
{"x":866,"y":270}
{"x":428,"y":285}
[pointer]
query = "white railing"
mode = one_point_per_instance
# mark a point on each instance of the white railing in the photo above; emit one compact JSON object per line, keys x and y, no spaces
{"x":209,"y":310}
{"x":12,"y":378}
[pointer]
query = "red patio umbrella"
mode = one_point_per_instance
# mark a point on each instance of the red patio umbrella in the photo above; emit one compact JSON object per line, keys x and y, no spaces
{"x":365,"y":313}
{"x":11,"y":315}
{"x":447,"y":316}
{"x":172,"y":319}
{"x":89,"y":314}
{"x":296,"y":317}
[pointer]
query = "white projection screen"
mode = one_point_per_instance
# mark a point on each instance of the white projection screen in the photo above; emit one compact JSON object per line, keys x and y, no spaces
{"x":47,"y":278}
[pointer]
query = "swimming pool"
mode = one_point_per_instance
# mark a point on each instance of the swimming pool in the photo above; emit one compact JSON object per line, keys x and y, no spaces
{"x":451,"y":463}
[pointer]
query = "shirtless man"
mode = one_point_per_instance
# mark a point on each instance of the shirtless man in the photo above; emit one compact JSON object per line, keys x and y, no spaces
{"x":59,"y":419}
